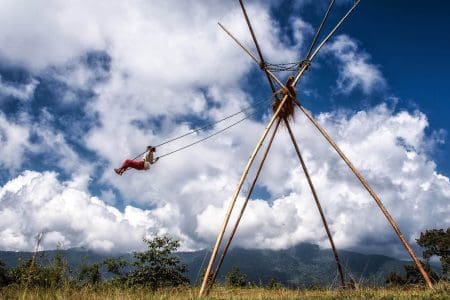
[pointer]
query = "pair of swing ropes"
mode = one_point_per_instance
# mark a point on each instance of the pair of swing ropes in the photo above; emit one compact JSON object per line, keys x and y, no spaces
{"x":247,"y":112}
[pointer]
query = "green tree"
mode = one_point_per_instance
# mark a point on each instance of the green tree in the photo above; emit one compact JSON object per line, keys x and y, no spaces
{"x":117,"y":266}
{"x":413,"y":275}
{"x":437,"y":242}
{"x":90,"y":274}
{"x":157,"y":266}
{"x":394,"y":279}
{"x":34,"y":274}
{"x":236,"y":278}
{"x":274,"y":284}
{"x":4,"y":278}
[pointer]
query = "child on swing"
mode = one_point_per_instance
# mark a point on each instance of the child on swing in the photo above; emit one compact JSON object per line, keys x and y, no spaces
{"x":143,"y":164}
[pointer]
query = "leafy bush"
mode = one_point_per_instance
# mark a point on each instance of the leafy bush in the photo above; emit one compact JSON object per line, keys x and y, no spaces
{"x":89,"y":274}
{"x":437,"y":242}
{"x":157,"y":266}
{"x":153,"y":268}
{"x":236,"y":278}
{"x":4,"y":278}
{"x":33,"y":274}
{"x":412,"y":276}
{"x":116,"y":266}
{"x":394,"y":279}
{"x":274,"y":284}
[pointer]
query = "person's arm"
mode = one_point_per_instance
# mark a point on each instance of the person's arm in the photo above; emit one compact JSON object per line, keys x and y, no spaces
{"x":149,"y":157}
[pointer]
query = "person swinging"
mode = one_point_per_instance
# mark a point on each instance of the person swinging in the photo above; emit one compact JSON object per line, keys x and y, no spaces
{"x":143,"y":164}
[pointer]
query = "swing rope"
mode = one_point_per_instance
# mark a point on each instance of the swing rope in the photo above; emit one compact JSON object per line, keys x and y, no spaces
{"x":207,"y":137}
{"x":208,"y":125}
{"x":213,"y":123}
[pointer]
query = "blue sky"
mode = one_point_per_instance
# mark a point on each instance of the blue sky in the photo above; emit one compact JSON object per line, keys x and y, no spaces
{"x":405,"y":39}
{"x":84,"y":86}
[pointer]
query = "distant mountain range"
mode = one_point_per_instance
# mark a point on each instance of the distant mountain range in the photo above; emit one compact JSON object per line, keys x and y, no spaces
{"x":299,"y":266}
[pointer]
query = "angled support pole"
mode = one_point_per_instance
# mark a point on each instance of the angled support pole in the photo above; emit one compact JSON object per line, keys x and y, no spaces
{"x":244,"y":206}
{"x":319,"y":29}
{"x":251,"y":55}
{"x":262,"y":63}
{"x":372,"y":193}
{"x":313,"y":55}
{"x":319,"y":206}
{"x":235,"y":195}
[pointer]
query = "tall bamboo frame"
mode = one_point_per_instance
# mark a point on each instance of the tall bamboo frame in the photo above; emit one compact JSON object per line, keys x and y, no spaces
{"x":209,"y":278}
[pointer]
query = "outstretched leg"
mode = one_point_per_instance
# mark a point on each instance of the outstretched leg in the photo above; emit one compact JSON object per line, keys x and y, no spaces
{"x":128,"y":163}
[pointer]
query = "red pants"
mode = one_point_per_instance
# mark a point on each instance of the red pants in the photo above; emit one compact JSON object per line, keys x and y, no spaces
{"x":135,"y":164}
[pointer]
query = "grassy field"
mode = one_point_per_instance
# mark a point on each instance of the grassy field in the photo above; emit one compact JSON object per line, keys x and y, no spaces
{"x":441,"y":291}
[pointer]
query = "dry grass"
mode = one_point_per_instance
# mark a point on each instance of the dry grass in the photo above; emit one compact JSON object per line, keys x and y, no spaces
{"x":441,"y":291}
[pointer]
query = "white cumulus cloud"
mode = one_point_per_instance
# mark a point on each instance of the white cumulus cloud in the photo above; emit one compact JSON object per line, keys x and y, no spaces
{"x":69,"y":216}
{"x":355,"y":69}
{"x":191,"y":192}
{"x":13,"y":142}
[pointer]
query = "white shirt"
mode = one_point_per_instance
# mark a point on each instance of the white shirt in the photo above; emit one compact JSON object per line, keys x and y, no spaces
{"x":148,"y":159}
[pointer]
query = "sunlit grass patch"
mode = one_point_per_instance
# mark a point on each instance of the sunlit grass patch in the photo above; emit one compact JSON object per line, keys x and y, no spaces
{"x":441,"y":291}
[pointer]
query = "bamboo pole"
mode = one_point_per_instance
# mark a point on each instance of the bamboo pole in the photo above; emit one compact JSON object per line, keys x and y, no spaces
{"x":372,"y":193}
{"x":236,"y":193}
{"x":319,"y":206}
{"x":313,"y":55}
{"x":251,"y":55}
{"x":244,"y":206}
{"x":319,"y":29}
{"x":258,"y":49}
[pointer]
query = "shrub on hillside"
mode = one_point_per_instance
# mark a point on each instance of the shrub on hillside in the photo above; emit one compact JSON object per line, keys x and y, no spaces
{"x":33,"y":274}
{"x":236,"y":278}
{"x":89,"y":274}
{"x":4,"y":278}
{"x":157,"y":266}
{"x":437,"y":243}
{"x":117,"y":267}
{"x":274,"y":284}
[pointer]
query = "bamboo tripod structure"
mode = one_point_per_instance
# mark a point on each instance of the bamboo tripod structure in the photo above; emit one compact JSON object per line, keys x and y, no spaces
{"x":279,"y":116}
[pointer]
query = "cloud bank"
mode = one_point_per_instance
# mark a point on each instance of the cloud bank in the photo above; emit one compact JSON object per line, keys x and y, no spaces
{"x":391,"y":150}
